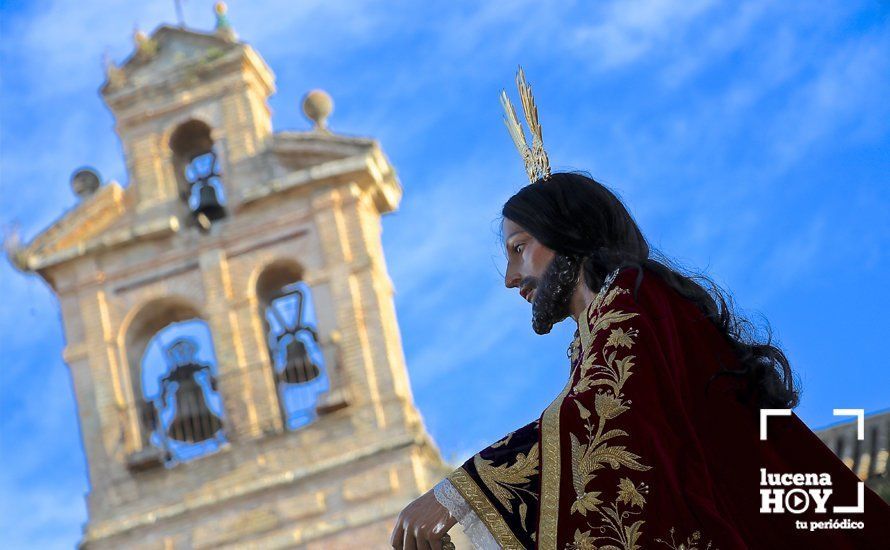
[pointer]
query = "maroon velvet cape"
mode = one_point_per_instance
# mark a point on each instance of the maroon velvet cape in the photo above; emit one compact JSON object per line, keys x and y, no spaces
{"x":636,"y":453}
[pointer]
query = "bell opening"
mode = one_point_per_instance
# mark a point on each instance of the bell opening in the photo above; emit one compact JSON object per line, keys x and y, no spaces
{"x":297,"y":355}
{"x":198,"y":170}
{"x":180,"y":411}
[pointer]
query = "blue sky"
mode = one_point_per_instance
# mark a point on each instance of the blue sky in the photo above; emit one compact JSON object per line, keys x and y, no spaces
{"x":751,"y":141}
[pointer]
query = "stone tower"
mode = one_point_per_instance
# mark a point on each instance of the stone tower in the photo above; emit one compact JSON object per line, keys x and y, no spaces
{"x":221,"y":218}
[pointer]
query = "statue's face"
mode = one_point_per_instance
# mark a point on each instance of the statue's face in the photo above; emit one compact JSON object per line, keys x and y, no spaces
{"x":527,"y":259}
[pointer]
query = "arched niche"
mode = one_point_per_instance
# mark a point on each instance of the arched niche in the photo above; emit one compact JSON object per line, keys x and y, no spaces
{"x":290,"y":328}
{"x":152,"y":317}
{"x":172,"y":364}
{"x":276,"y":275}
{"x":197,"y":166}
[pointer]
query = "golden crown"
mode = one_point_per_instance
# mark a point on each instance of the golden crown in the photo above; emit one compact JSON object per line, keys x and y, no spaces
{"x":537,"y":165}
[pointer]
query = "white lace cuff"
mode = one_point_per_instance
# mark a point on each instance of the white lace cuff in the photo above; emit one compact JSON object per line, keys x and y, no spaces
{"x":471,"y":525}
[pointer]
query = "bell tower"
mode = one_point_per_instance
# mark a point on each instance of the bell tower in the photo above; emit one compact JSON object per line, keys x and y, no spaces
{"x":229,"y":322}
{"x":182,"y":94}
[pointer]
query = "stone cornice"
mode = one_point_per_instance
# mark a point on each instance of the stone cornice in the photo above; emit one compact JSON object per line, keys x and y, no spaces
{"x":264,"y":483}
{"x":107,"y":198}
{"x":315,"y":141}
{"x":151,"y":229}
{"x":372,"y":165}
{"x":240,"y":63}
{"x":368,"y":170}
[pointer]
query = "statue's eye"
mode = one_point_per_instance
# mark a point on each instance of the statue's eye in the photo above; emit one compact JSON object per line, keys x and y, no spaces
{"x":517,"y":249}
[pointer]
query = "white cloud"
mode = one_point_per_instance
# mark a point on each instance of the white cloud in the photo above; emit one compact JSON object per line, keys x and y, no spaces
{"x":846,"y":94}
{"x":627,"y":31}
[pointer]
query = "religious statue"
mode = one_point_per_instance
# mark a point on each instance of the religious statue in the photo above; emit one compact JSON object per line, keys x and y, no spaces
{"x":655,"y":441}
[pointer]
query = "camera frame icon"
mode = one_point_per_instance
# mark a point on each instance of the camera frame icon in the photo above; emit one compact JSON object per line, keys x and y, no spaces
{"x":860,"y":435}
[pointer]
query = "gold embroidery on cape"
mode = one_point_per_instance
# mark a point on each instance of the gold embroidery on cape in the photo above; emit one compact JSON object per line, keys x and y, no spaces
{"x":550,"y":451}
{"x":692,"y":542}
{"x":613,"y":530}
{"x":503,"y":441}
{"x":616,"y":529}
{"x":483,"y":508}
{"x":607,"y":375}
{"x":506,"y":481}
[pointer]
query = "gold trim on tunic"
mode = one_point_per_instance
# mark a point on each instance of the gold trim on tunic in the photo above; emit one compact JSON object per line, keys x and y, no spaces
{"x":484,"y":509}
{"x":550,"y":441}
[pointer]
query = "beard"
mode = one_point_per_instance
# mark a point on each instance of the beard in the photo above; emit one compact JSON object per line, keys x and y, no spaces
{"x":553,"y":293}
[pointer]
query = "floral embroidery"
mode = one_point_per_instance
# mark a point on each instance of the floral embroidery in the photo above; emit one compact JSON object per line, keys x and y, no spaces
{"x":608,"y":375}
{"x":613,"y":514}
{"x":616,"y":528}
{"x":507,"y":480}
{"x":619,"y":337}
{"x":629,"y":494}
{"x":583,"y":541}
{"x":504,"y":441}
{"x":692,"y":542}
{"x":625,"y":536}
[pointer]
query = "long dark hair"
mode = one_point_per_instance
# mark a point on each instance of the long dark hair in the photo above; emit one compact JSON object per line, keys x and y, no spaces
{"x":578,"y":217}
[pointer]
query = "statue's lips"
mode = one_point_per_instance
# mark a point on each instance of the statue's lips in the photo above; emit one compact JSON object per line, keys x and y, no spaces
{"x":528,"y":293}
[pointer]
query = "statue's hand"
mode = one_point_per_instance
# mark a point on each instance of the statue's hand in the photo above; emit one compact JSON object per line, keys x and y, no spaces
{"x":422,"y":525}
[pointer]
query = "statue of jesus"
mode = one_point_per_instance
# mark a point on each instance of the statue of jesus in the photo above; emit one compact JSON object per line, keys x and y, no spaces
{"x":656,"y":440}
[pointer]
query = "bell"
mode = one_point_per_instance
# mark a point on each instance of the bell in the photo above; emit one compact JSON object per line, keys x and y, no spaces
{"x":194,"y":421}
{"x":208,"y":203}
{"x":298,"y":367}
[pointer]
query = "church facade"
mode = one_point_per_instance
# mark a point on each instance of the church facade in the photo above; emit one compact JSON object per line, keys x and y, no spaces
{"x":229,"y":322}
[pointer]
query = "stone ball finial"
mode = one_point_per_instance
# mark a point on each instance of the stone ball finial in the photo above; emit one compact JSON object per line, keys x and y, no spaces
{"x":318,"y":106}
{"x":84,"y":182}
